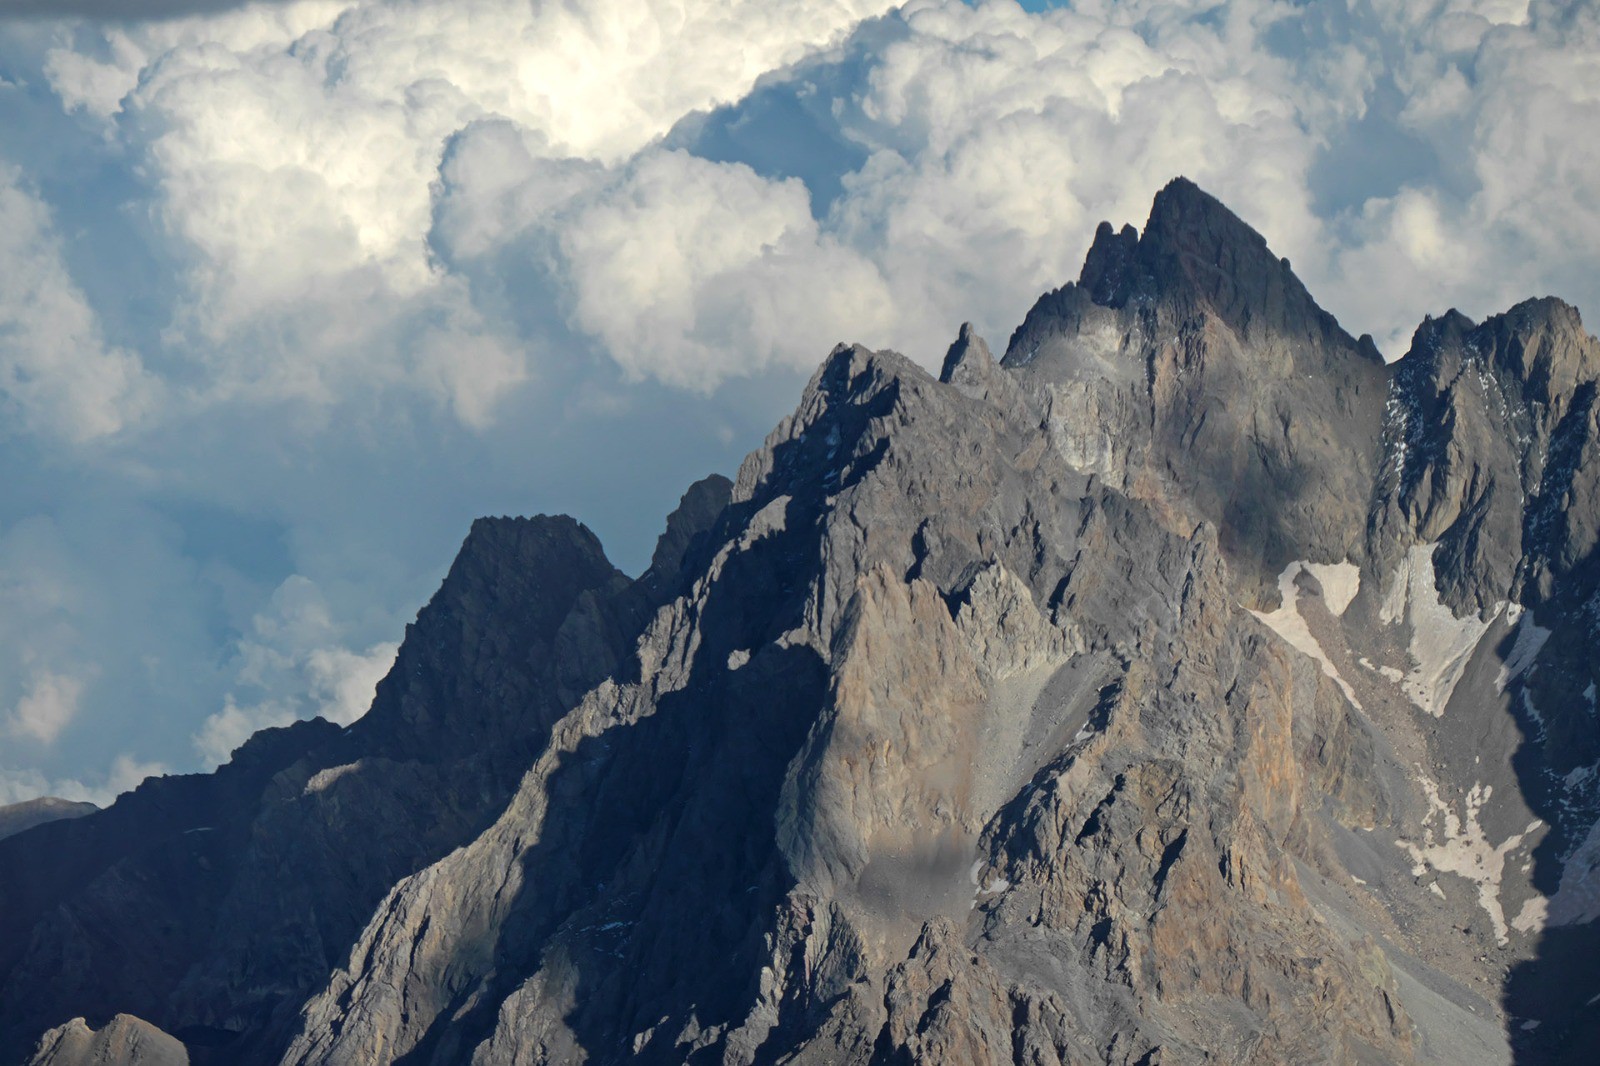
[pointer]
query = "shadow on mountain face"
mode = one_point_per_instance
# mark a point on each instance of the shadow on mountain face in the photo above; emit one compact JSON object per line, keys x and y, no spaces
{"x":1552,"y":1000}
{"x":1562,"y":983}
{"x":664,"y":824}
{"x":1559,"y":987}
{"x":668,"y":823}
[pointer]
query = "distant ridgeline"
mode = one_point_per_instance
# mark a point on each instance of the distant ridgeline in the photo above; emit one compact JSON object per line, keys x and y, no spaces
{"x":1187,"y":685}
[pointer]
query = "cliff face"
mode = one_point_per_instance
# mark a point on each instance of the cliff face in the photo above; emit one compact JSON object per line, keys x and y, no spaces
{"x":1186,"y":686}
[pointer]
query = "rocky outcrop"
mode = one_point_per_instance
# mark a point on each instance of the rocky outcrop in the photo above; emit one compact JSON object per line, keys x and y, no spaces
{"x":29,"y":813}
{"x":125,"y":1041}
{"x":1482,"y":549}
{"x":1489,"y":434}
{"x":1187,"y":686}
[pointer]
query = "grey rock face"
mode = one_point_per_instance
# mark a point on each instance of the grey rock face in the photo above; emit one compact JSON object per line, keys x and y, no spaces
{"x":1489,"y":480}
{"x":1489,"y":437}
{"x":697,"y":512}
{"x":1187,"y":686}
{"x":125,"y":1041}
{"x":1190,"y":368}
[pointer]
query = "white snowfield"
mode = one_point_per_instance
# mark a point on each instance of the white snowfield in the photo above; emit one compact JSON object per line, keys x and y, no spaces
{"x":1530,"y":641}
{"x":1453,"y":838}
{"x":1459,"y":845}
{"x":1340,"y":582}
{"x":1441,"y":643}
{"x":1339,"y":587}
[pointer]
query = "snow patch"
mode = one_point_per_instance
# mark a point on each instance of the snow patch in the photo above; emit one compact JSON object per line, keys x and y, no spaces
{"x":993,"y":887}
{"x":1388,"y":672}
{"x":1340,"y":582}
{"x":324,"y":778}
{"x":1289,"y":624}
{"x":1452,"y":844}
{"x":1441,"y":643}
{"x":1534,"y":915}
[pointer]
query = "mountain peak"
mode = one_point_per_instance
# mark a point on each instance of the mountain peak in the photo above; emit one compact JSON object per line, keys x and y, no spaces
{"x":696,"y":512}
{"x":1191,"y":357}
{"x":1197,"y":253}
{"x":1196,"y":235}
{"x":1540,"y":343}
{"x":124,"y":1039}
{"x":25,"y":815}
{"x":1195,"y":246}
{"x":1106,"y":267}
{"x":969,"y":356}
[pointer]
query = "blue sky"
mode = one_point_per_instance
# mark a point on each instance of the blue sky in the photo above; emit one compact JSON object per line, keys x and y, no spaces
{"x":291,"y":291}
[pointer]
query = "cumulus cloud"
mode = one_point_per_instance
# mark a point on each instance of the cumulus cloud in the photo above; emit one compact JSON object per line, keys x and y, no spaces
{"x":118,"y":10}
{"x":342,"y":682}
{"x":693,"y":271}
{"x":291,"y":155}
{"x":51,"y":701}
{"x":57,"y":375}
{"x":470,"y":369}
{"x":124,"y":774}
{"x":290,"y":291}
{"x":222,"y":733}
{"x":293,"y":664}
{"x":1509,"y":109}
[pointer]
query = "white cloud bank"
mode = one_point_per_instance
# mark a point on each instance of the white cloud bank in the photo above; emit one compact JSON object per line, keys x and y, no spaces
{"x":50,"y":702}
{"x":57,"y":375}
{"x":294,"y":662}
{"x":123,"y":775}
{"x":289,"y":291}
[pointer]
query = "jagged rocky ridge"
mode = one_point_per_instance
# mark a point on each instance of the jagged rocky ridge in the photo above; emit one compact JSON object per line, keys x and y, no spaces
{"x":1186,"y":686}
